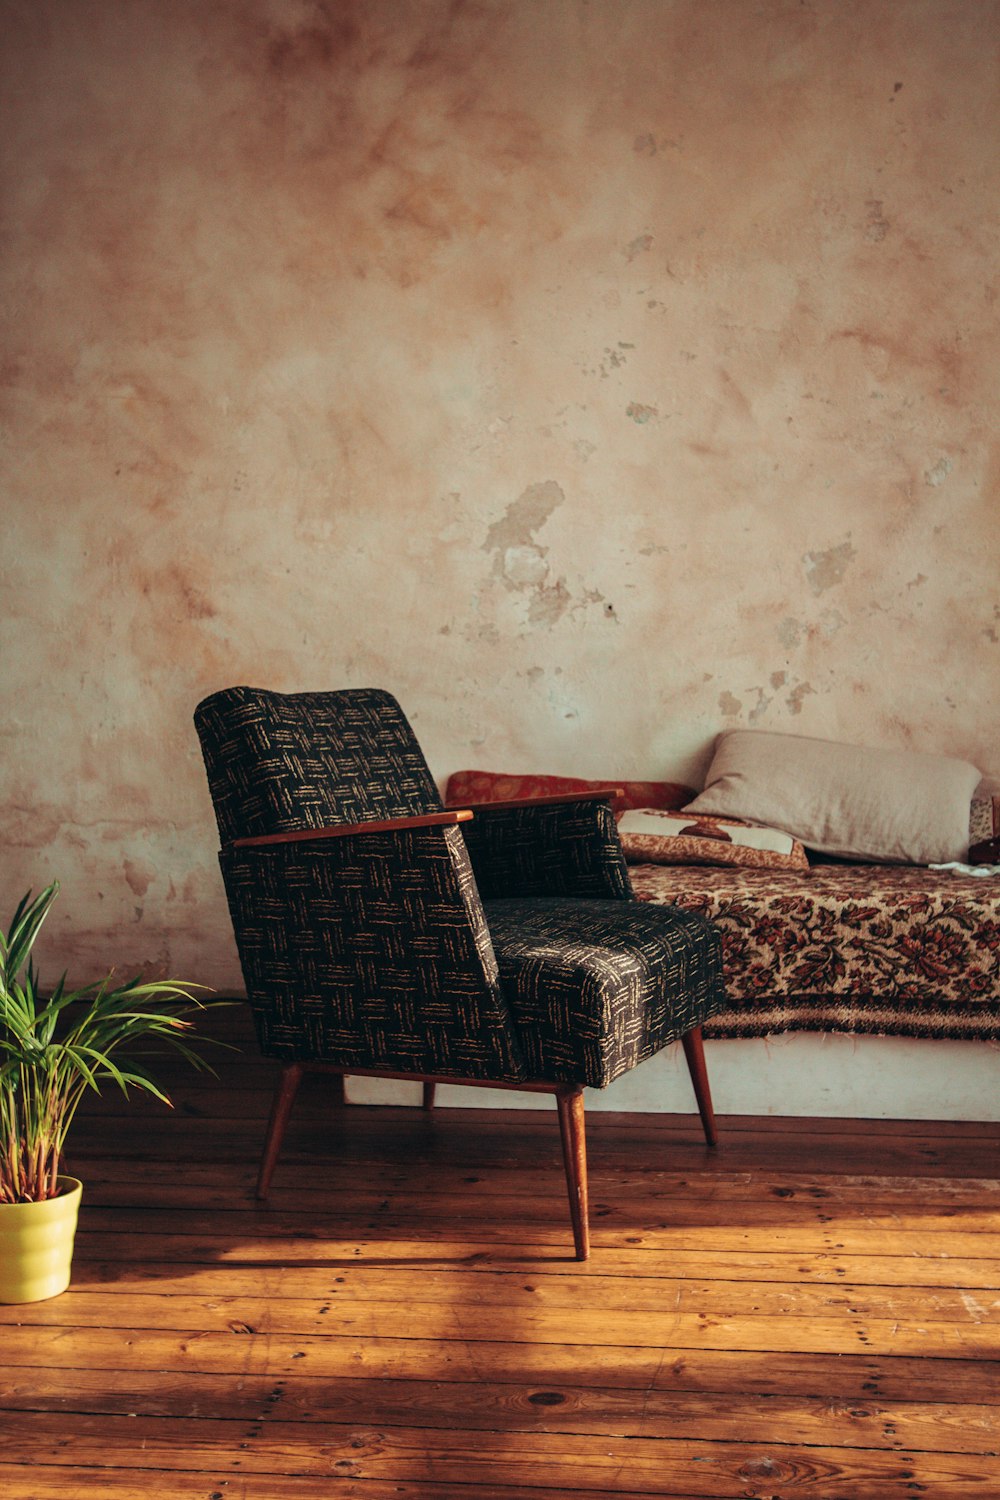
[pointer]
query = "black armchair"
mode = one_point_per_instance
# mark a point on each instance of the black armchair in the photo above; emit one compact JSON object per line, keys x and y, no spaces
{"x":382,"y":934}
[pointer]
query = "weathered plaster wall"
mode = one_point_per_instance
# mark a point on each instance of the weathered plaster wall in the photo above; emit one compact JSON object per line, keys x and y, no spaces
{"x":595,"y":374}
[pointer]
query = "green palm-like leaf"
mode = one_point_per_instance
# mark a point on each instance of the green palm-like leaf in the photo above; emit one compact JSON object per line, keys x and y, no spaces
{"x":24,"y":928}
{"x":55,"y":1050}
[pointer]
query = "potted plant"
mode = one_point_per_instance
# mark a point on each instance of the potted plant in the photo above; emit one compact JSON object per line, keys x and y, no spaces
{"x":52,"y":1051}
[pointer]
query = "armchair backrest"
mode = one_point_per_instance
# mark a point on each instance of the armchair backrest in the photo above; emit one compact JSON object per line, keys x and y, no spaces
{"x":286,"y":762}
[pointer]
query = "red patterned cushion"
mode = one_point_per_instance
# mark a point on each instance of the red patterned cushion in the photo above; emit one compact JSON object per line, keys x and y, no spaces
{"x":465,"y":787}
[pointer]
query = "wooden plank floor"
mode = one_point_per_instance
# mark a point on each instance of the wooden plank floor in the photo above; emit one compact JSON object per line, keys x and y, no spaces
{"x":812,"y":1311}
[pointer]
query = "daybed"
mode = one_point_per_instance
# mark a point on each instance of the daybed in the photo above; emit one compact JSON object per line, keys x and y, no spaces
{"x":882,"y":949}
{"x":821,"y":939}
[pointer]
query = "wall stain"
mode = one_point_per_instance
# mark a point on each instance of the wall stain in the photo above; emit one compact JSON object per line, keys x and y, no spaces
{"x":890,"y":356}
{"x":825,"y":570}
{"x":524,"y":566}
{"x":764,"y":701}
{"x":323,"y":38}
{"x":638,"y":246}
{"x":830,"y":621}
{"x":549,"y":601}
{"x":435,"y":46}
{"x":519,"y":562}
{"x":795,"y":697}
{"x":524,"y":516}
{"x":138,"y":877}
{"x":175,"y":582}
{"x":877,"y":226}
{"x":938,"y":473}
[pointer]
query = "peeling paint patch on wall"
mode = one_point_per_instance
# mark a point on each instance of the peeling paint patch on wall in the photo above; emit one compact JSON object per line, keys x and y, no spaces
{"x":520,"y":562}
{"x":824,"y":570}
{"x":798,"y":695}
{"x":938,"y":472}
{"x":523,"y":518}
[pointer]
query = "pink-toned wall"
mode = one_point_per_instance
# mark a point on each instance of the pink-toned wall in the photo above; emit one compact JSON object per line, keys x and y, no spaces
{"x":595,"y":374}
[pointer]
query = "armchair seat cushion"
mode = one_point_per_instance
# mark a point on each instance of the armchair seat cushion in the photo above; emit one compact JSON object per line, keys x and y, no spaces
{"x":595,"y":987}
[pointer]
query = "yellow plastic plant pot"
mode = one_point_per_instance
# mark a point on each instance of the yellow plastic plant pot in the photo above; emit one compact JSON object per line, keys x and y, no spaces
{"x":36,"y":1244}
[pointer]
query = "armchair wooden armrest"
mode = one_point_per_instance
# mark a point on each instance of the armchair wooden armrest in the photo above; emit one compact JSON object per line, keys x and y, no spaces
{"x":345,"y":830}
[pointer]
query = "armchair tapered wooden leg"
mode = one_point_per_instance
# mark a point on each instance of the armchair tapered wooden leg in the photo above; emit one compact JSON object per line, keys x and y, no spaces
{"x":281,"y":1108}
{"x":574,"y":1144}
{"x":694,"y":1051}
{"x":429,"y":1095}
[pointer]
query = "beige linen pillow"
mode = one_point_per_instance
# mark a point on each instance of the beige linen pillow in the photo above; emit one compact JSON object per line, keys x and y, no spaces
{"x":891,"y":806}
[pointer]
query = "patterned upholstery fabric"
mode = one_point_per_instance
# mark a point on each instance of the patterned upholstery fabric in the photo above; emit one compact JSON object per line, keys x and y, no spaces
{"x":884,"y":949}
{"x":599,"y":986}
{"x":371,"y":949}
{"x":281,"y":762}
{"x":565,"y":849}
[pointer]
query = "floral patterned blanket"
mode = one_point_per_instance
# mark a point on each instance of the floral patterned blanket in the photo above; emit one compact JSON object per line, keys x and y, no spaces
{"x":889,"y":950}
